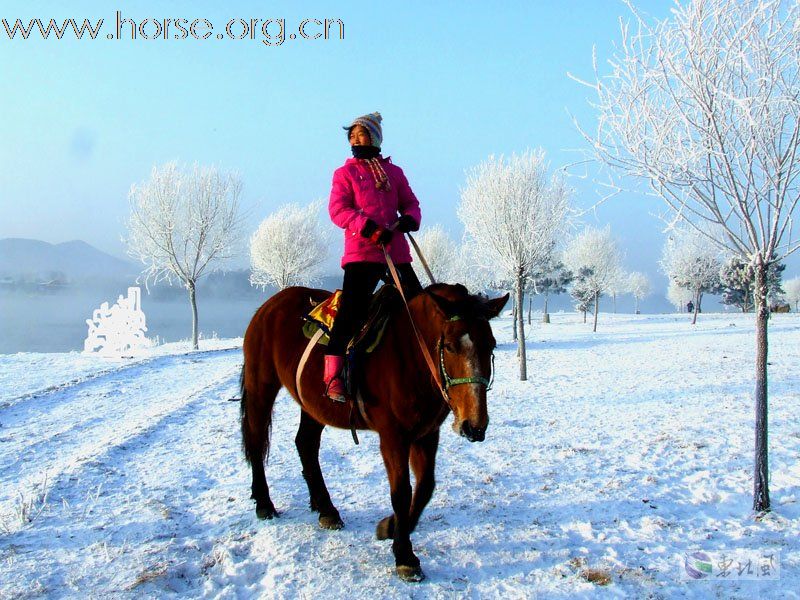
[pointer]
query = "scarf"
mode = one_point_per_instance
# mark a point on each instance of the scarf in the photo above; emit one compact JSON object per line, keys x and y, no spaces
{"x":371,"y":156}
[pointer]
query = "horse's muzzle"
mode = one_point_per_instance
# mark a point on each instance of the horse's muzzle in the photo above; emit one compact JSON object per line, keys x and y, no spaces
{"x":473,"y":434}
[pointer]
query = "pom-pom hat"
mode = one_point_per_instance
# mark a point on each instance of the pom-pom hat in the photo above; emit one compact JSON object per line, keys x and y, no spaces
{"x":372,"y":123}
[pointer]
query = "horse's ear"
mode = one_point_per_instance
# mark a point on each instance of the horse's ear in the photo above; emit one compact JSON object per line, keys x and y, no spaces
{"x":446,"y":306}
{"x":492,"y":308}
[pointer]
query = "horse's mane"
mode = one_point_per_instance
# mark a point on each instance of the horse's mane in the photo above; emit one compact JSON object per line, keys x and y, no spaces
{"x":455,"y":299}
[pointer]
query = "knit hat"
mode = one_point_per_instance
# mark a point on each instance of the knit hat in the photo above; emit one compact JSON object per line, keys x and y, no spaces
{"x":372,"y":123}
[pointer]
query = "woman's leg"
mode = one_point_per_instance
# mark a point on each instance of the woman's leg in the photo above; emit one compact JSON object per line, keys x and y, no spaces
{"x":359,"y":282}
{"x":409,"y":279}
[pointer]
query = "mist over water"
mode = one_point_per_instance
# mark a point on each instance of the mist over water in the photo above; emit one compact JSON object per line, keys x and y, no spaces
{"x":57,"y":322}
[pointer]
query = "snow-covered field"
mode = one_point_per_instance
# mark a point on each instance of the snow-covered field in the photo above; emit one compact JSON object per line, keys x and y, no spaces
{"x":624,"y":450}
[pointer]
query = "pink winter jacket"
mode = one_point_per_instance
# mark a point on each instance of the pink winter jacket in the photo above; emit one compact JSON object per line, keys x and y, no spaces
{"x":354,"y":199}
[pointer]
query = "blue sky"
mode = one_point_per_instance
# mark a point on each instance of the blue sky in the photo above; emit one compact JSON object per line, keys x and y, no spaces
{"x":80,"y":121}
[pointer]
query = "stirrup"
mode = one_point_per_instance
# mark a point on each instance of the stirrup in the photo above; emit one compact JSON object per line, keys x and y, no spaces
{"x":336,"y":398}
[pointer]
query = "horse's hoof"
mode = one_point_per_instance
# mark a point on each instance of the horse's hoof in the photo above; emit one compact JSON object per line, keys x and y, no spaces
{"x":332,"y":522}
{"x":385,"y":528}
{"x":410,"y":574}
{"x":266,"y":512}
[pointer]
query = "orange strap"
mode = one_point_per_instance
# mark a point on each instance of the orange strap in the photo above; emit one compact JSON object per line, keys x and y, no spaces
{"x":309,"y":347}
{"x":422,"y":259}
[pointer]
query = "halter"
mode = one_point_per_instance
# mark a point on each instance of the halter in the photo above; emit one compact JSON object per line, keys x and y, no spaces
{"x":448,"y":381}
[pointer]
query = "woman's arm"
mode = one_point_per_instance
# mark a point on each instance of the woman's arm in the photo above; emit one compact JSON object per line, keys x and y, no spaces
{"x":341,"y":206}
{"x":408,"y":205}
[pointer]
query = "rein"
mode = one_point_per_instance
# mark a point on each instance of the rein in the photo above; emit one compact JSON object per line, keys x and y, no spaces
{"x":445,"y":382}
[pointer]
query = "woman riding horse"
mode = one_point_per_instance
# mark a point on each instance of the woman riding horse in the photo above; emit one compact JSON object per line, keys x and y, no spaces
{"x":367,"y":194}
{"x":435,"y":357}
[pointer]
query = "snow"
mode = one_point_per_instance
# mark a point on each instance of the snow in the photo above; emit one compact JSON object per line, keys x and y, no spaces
{"x":624,"y":450}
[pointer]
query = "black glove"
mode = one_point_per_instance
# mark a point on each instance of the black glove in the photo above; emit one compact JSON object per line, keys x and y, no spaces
{"x":375,"y":233}
{"x":406,"y":224}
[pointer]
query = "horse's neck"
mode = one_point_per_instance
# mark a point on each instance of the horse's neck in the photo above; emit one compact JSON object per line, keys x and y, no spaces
{"x":404,"y":341}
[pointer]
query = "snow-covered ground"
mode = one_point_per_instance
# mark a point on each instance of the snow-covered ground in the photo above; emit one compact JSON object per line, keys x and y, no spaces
{"x":624,"y":450}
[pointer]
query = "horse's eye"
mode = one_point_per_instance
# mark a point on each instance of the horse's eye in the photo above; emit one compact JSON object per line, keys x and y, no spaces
{"x":449,"y":347}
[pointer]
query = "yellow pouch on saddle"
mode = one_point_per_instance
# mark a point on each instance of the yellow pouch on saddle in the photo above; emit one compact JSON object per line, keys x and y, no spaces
{"x":323,"y":315}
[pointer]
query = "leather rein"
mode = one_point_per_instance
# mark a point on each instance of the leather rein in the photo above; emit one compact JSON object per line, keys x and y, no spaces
{"x":440,"y":375}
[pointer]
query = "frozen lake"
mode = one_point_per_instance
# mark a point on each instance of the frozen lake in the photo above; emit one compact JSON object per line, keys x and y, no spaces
{"x":56,"y":323}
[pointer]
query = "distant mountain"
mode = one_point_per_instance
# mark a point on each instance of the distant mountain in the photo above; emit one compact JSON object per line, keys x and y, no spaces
{"x":23,"y":259}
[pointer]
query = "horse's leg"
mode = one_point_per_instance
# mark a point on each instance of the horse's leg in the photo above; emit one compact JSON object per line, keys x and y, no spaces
{"x":307,"y":442}
{"x":256,"y":422}
{"x":423,"y":462}
{"x":395,"y":451}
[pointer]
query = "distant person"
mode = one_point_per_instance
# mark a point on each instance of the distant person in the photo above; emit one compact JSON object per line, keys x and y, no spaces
{"x":368,"y":194}
{"x":690,"y":307}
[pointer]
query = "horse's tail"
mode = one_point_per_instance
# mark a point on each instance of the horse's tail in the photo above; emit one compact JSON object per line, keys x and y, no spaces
{"x":243,"y":414}
{"x":256,"y":421}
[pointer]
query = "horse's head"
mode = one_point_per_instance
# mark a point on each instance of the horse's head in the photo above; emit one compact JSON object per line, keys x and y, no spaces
{"x":465,"y":353}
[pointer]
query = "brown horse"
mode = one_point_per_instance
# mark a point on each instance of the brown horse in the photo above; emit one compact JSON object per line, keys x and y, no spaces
{"x":403,"y":399}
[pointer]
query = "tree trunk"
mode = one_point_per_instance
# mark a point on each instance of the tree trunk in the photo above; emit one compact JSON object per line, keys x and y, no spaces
{"x":636,"y":308}
{"x":584,"y":316}
{"x":696,"y":306}
{"x":514,"y":312}
{"x":193,"y":301}
{"x":545,"y":315}
{"x":614,"y":300}
{"x":530,"y":302}
{"x":523,"y":367}
{"x":761,"y":479}
{"x":596,"y":303}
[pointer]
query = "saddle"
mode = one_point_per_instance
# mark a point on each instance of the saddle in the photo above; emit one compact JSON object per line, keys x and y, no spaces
{"x":318,"y":327}
{"x":369,"y":336}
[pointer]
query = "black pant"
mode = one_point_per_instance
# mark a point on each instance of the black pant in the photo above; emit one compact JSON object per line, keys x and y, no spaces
{"x":360,"y":279}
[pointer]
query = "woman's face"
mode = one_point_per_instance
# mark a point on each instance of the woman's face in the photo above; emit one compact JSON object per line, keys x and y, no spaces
{"x":359,"y":136}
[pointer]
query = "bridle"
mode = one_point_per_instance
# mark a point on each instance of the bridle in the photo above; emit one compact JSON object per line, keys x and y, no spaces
{"x":447,"y":381}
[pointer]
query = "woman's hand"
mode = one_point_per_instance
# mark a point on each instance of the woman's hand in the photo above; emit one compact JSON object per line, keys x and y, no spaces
{"x":376,"y":234}
{"x":406,"y":224}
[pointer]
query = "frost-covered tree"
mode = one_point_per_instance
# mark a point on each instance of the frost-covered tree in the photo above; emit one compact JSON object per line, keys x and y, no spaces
{"x":595,"y":250}
{"x":792,"y":291}
{"x":704,"y":106}
{"x":441,"y":253}
{"x":679,"y":297}
{"x":183,"y":223}
{"x":639,"y":286}
{"x":289,"y":247}
{"x":618,"y":287}
{"x":692,"y":261}
{"x":470,"y":271}
{"x":737,"y":279}
{"x":552,"y":281}
{"x":513,"y":211}
{"x":582,"y":291}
